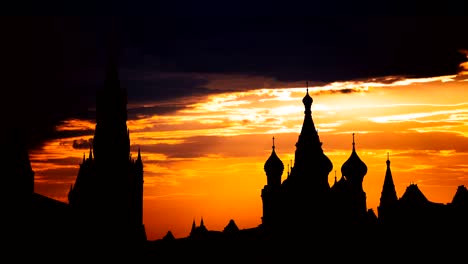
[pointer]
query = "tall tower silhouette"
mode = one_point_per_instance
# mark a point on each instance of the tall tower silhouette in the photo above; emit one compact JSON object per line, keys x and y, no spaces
{"x":388,"y":198}
{"x":311,"y":166}
{"x":354,"y":170}
{"x":304,"y":202}
{"x":306,"y":190}
{"x":301,"y":202}
{"x":271,"y":195}
{"x":107,"y":196}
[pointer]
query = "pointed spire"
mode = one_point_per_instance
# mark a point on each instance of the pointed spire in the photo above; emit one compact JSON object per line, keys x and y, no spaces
{"x":388,"y":195}
{"x":139,"y":154}
{"x":90,"y":153}
{"x":201,"y":222}
{"x":84,"y":158}
{"x":194,"y":227}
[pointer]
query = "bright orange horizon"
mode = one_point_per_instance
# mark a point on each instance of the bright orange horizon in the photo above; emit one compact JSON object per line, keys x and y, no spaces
{"x":207,"y":159}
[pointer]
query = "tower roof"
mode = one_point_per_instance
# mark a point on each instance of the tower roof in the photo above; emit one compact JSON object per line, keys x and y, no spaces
{"x":273,"y":163}
{"x":388,"y":190}
{"x":354,"y":166}
{"x":307,"y":100}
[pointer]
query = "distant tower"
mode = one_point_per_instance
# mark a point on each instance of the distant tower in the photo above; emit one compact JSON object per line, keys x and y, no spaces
{"x":388,"y":198}
{"x":274,"y":168}
{"x":107,"y":196}
{"x":354,"y":170}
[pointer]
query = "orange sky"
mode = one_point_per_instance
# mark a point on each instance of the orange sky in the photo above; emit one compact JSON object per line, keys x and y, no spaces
{"x":207,"y":160}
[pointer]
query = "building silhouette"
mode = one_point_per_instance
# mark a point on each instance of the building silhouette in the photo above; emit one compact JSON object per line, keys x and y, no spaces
{"x":304,"y":202}
{"x":107,"y":197}
{"x":105,"y":205}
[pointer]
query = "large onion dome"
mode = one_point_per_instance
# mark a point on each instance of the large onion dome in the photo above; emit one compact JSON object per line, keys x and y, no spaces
{"x":273,"y":167}
{"x":354,"y":168}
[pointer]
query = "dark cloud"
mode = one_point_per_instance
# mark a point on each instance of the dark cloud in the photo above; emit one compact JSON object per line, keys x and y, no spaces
{"x":82,"y":143}
{"x":151,"y":86}
{"x":54,"y":65}
{"x":143,"y":112}
{"x":72,"y":133}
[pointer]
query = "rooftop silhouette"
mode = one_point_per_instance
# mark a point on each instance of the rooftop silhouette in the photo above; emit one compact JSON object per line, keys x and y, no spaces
{"x":303,"y":216}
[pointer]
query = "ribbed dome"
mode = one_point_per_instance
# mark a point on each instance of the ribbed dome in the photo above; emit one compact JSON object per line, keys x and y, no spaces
{"x":354,"y":166}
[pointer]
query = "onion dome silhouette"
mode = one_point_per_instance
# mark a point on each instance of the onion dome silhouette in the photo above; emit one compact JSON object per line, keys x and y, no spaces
{"x":354,"y":168}
{"x":307,"y":100}
{"x":273,"y":168}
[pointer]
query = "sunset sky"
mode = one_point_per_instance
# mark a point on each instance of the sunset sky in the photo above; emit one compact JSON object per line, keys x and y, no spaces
{"x":205,"y":100}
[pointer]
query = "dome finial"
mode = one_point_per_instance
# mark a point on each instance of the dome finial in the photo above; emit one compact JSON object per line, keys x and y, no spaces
{"x":388,"y":159}
{"x":273,"y":142}
{"x":353,"y":142}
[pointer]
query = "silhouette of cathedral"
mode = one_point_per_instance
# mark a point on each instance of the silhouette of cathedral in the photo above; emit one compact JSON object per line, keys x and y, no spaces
{"x":304,"y":201}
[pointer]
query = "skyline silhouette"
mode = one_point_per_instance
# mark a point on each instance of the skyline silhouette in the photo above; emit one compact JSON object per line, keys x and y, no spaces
{"x":201,"y":120}
{"x":104,"y":214}
{"x":243,"y":146}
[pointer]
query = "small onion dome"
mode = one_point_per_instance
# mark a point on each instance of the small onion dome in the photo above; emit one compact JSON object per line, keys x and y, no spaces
{"x":354,"y":166}
{"x":274,"y":166}
{"x":307,"y":100}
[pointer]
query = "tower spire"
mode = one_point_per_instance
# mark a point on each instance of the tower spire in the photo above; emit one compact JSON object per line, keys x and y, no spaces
{"x":90,"y":153}
{"x":388,"y":195}
{"x":354,"y":149}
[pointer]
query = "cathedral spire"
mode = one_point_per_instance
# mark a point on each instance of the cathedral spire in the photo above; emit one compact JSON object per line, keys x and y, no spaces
{"x":311,"y":166}
{"x":111,"y":139}
{"x":354,"y":144}
{"x":90,"y":157}
{"x":389,"y":195}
